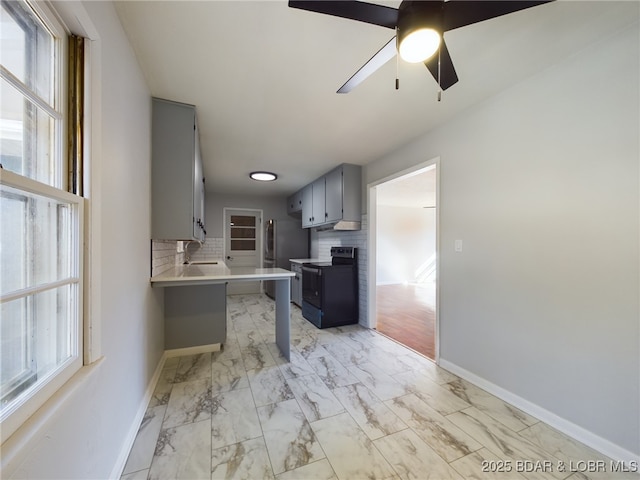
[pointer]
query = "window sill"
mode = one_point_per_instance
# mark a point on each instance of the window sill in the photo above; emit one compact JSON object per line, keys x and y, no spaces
{"x":16,"y":446}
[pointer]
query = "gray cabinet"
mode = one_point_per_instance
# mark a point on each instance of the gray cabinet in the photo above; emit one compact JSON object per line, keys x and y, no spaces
{"x":333,"y":194}
{"x":307,"y":206}
{"x":313,"y":197}
{"x":296,"y":284}
{"x":343,"y":193}
{"x":177,"y":180}
{"x":334,"y":198}
{"x":294,"y":203}
{"x":195,"y":315}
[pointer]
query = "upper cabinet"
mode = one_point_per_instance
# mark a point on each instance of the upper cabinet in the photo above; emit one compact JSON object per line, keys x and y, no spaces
{"x":333,"y":200}
{"x":177,"y":180}
{"x":294,"y":203}
{"x":313,"y":204}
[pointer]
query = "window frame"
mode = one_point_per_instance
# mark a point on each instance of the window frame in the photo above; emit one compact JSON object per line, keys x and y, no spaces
{"x":14,"y":417}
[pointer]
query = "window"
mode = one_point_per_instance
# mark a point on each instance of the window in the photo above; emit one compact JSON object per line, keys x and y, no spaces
{"x":40,"y":223}
{"x":243,"y":232}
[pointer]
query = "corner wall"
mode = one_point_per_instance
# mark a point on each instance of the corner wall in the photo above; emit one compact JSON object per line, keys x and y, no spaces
{"x":542,"y":185}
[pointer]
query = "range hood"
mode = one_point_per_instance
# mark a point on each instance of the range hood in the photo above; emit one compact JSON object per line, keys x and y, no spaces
{"x":344,"y":225}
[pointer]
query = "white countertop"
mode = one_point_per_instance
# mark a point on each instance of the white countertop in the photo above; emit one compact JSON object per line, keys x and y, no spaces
{"x":307,"y":260}
{"x":201,"y":274}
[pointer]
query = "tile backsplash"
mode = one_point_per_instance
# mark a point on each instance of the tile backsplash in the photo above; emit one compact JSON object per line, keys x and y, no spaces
{"x":164,"y":253}
{"x":211,"y":249}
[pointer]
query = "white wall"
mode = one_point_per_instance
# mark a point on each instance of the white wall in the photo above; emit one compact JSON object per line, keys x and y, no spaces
{"x":406,"y":243}
{"x":542,"y":184}
{"x":86,"y":435}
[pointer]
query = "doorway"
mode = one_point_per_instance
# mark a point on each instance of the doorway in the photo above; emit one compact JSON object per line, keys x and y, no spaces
{"x":404,"y":241}
{"x":243,"y":245}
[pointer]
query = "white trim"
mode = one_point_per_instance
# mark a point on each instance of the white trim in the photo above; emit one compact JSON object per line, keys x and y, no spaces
{"x":14,"y":416}
{"x":372,"y":242}
{"x":180,"y":352}
{"x":565,"y":426}
{"x":41,"y":103}
{"x":44,"y":287}
{"x":130,"y":438}
{"x":26,"y":184}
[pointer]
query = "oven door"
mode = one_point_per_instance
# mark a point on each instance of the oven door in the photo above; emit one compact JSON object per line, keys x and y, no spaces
{"x":312,"y":285}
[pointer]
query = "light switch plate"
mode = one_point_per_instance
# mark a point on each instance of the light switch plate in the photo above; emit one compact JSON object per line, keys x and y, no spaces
{"x":457,"y":245}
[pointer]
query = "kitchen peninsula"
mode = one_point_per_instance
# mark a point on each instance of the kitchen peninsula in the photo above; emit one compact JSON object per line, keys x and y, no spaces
{"x":212,"y":274}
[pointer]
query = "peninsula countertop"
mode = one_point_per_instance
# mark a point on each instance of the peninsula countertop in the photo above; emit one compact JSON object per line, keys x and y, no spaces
{"x":212,"y":273}
{"x":307,"y":260}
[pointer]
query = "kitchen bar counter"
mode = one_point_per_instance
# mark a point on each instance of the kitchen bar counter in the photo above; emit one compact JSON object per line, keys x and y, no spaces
{"x":217,"y":273}
{"x":199,"y":274}
{"x":306,"y":260}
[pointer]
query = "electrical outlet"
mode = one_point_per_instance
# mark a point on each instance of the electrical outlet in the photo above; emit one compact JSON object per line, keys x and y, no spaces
{"x":180,"y":247}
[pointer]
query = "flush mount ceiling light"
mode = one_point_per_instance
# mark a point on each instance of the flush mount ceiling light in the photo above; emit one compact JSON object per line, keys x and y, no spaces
{"x":263,"y":176}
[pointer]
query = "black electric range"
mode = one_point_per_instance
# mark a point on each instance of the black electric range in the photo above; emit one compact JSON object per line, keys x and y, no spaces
{"x":330,"y":289}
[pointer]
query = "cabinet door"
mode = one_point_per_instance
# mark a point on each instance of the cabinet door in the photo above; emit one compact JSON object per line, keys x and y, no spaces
{"x":318,"y":206}
{"x":173,"y":171}
{"x":198,"y":193}
{"x":294,"y":203}
{"x":307,"y":206}
{"x":333,"y":195}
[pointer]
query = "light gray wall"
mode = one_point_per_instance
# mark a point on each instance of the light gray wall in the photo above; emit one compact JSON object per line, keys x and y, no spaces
{"x":273,"y":207}
{"x":87,"y":432}
{"x":541,"y":183}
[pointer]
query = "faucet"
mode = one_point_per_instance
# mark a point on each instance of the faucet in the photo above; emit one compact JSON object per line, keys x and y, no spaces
{"x":187,"y":258}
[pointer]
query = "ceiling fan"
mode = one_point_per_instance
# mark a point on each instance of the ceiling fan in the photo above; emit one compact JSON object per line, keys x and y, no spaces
{"x":419,"y":27}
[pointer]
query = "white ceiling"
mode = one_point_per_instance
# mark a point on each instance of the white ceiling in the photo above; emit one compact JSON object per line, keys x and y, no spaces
{"x":263,"y":77}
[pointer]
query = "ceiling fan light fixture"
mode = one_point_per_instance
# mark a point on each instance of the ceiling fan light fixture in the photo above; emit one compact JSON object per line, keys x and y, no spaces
{"x":419,"y":45}
{"x":263,"y":176}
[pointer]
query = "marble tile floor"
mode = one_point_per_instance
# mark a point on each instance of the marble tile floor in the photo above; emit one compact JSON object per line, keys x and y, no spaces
{"x":351,"y":404}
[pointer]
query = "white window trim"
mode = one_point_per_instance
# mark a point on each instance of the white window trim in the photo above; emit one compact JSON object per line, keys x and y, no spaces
{"x":15,"y":416}
{"x":42,"y":404}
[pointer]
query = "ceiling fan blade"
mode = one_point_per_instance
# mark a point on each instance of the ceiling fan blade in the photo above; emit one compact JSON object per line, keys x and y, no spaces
{"x":360,"y":11}
{"x":441,"y":67}
{"x":458,"y":13}
{"x":383,"y":55}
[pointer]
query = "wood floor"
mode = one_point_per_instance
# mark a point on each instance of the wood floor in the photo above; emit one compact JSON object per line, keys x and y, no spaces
{"x":406,"y":313}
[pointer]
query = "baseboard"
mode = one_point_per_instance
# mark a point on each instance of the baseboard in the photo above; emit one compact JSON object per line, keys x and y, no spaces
{"x":180,"y":352}
{"x":137,"y":421}
{"x":563,"y":425}
{"x":135,"y":425}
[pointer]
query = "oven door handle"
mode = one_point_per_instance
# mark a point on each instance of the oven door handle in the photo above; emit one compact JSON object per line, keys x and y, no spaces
{"x":315,"y":271}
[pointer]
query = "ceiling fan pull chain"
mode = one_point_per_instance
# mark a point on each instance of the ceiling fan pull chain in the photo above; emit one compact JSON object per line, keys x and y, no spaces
{"x":439,"y":71}
{"x":397,"y":63}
